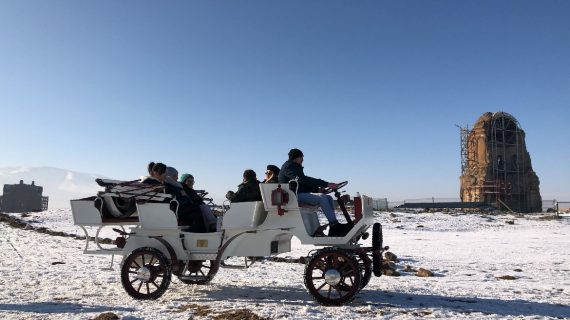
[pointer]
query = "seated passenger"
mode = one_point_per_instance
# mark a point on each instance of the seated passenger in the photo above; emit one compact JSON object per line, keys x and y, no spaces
{"x":188,"y":212}
{"x":271,"y":174}
{"x":157,"y":174}
{"x":248,"y":190}
{"x":187,"y":181}
{"x":172,"y":177}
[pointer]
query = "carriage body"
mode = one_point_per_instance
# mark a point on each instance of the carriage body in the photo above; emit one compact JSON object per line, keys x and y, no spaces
{"x":248,"y":229}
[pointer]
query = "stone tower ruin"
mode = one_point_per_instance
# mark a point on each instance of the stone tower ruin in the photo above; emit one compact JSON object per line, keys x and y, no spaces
{"x":495,"y":165}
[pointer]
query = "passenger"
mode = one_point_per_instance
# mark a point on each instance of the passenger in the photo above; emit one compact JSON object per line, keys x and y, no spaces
{"x":188,"y":212}
{"x":271,"y":174}
{"x":172,"y":177}
{"x":248,"y":190}
{"x":187,"y":181}
{"x":157,"y":174}
{"x":307,"y":186}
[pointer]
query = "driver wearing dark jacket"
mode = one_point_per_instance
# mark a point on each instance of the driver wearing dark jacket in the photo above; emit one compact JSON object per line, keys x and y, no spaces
{"x":307,"y":186}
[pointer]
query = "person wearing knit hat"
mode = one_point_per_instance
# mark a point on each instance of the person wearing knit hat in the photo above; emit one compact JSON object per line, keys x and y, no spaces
{"x":308,"y":191}
{"x":271,"y":174}
{"x":295,"y":153}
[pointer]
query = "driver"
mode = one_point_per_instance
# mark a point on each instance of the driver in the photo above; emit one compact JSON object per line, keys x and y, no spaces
{"x":307,"y":186}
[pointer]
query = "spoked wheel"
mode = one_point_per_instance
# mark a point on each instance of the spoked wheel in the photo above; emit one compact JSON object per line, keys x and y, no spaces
{"x":198,"y":272}
{"x":365,"y":265}
{"x":377,"y":249}
{"x":145,"y":274}
{"x":332,"y":277}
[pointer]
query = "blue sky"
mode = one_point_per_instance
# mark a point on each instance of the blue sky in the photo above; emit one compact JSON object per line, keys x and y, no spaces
{"x":369,"y":90}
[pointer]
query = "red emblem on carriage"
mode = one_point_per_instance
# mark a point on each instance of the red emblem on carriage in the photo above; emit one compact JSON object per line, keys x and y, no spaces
{"x":279,"y":197}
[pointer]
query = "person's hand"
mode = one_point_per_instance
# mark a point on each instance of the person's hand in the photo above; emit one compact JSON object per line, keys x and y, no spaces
{"x":332,"y":186}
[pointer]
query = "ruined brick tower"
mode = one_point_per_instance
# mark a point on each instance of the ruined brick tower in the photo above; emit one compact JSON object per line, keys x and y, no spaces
{"x":495,"y":165}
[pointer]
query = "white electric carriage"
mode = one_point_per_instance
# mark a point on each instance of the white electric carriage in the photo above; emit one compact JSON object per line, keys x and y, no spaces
{"x":155,"y":247}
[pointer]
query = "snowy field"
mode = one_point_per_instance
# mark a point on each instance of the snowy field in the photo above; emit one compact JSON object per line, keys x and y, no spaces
{"x":48,"y":277}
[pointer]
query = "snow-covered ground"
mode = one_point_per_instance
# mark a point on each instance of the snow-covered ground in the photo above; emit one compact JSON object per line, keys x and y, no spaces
{"x":48,"y":277}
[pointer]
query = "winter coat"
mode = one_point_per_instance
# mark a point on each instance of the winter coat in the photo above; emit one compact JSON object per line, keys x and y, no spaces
{"x":290,"y":170}
{"x":193,"y":195}
{"x":248,"y":191}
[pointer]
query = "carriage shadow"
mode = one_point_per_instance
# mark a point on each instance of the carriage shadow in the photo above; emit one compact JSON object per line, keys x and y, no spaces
{"x":382,"y":299}
{"x":499,"y":307}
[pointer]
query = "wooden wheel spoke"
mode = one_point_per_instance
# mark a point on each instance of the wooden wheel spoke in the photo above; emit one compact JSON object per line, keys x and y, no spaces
{"x":140,"y":286}
{"x":147,"y":288}
{"x":319,"y":288}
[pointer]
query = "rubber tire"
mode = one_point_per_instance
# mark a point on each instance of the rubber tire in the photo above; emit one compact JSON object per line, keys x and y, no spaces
{"x":377,"y":249}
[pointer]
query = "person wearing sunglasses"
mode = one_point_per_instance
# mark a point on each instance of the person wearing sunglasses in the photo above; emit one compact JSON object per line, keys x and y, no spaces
{"x":271,"y":174}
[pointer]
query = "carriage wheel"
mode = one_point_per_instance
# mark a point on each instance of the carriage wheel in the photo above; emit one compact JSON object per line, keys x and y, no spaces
{"x":377,"y":249}
{"x":365,"y":265}
{"x":199,"y":272}
{"x":332,"y":277}
{"x":145,"y":273}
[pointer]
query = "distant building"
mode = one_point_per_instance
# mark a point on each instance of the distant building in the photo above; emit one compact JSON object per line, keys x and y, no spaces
{"x":495,"y":165}
{"x":23,"y":198}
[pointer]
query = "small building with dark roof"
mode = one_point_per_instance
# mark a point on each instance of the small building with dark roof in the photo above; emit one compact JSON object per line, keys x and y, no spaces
{"x":23,"y":198}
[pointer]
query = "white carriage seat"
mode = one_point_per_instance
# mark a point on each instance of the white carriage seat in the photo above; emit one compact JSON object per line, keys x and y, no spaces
{"x":244,"y":215}
{"x":153,"y":215}
{"x":85,"y":213}
{"x":308,"y":212}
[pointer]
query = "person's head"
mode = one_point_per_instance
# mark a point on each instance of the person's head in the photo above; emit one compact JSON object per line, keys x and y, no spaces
{"x":187,"y":179}
{"x":149,"y":168}
{"x":157,"y":170}
{"x":249,"y":175}
{"x":296,"y":155}
{"x":272,"y":171}
{"x":172,"y":173}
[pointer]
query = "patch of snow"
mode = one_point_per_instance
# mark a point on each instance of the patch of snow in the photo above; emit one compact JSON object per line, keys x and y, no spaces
{"x":467,"y":252}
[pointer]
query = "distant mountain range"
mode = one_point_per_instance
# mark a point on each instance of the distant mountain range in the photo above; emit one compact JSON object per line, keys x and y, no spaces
{"x":60,"y":185}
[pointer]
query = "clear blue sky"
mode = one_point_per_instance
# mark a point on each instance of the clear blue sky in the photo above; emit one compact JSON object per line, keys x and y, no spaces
{"x":369,"y":90}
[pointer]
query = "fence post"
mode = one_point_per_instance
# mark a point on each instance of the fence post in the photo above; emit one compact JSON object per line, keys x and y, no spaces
{"x":557,"y":210}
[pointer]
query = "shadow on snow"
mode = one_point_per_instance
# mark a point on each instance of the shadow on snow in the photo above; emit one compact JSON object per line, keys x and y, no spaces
{"x":381,"y":299}
{"x":55,"y":307}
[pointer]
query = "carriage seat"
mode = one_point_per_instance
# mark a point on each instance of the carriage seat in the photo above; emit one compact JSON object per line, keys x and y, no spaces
{"x":244,"y":215}
{"x":157,"y":215}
